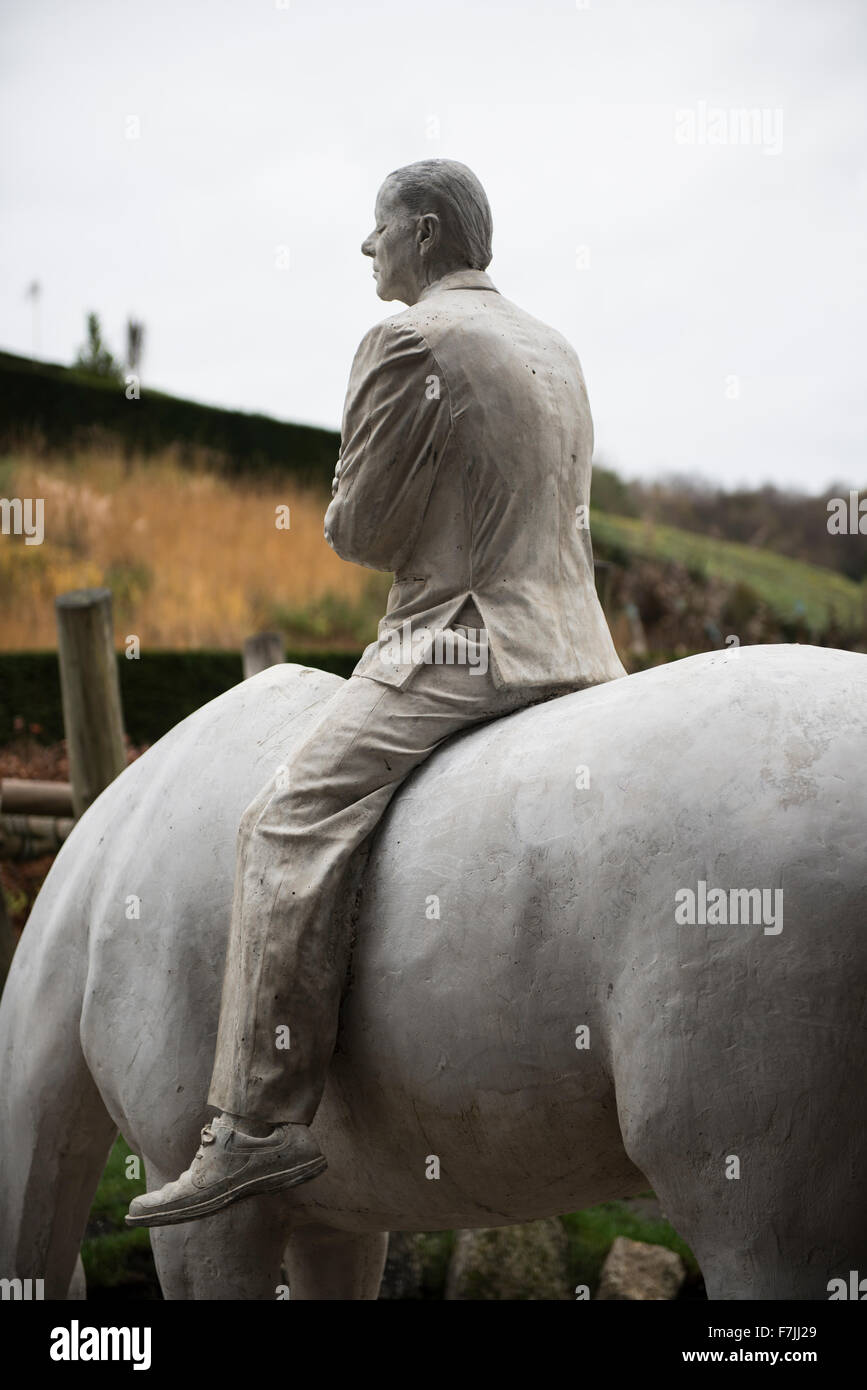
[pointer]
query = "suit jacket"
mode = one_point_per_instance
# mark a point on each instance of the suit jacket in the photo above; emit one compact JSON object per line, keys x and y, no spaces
{"x":464,"y":465}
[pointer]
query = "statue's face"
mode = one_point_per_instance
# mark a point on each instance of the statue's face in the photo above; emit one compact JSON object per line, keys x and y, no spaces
{"x":393,"y":247}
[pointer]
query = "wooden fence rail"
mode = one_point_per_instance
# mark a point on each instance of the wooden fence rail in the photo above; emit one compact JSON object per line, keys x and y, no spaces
{"x":29,"y":797}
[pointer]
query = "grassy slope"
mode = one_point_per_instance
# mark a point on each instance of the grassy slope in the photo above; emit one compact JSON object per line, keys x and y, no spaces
{"x":790,"y":587}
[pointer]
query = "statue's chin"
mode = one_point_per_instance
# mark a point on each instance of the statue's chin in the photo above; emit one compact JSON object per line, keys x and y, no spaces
{"x":390,"y":295}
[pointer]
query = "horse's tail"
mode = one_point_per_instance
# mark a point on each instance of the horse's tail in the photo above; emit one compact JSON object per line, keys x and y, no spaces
{"x":55,"y":1132}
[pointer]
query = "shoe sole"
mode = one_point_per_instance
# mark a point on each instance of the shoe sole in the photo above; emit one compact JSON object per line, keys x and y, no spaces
{"x":269,"y":1182}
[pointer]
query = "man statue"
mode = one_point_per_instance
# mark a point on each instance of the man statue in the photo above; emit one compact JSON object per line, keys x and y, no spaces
{"x":464,"y":469}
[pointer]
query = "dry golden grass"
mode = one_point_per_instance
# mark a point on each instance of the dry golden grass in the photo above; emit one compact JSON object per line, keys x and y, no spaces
{"x":193,"y":559}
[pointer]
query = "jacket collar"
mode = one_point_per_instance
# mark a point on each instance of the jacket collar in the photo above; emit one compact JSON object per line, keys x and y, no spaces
{"x":460,"y":280}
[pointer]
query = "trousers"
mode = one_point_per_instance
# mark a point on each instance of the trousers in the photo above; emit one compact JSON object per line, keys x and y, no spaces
{"x":290,"y":934}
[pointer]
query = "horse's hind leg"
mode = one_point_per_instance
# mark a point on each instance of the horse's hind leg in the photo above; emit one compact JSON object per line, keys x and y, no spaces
{"x":763,"y":1190}
{"x":757,"y":1244}
{"x":328,"y":1264}
{"x":237,"y":1253}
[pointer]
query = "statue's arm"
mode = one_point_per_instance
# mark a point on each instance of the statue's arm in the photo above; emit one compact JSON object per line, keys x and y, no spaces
{"x":396,"y":425}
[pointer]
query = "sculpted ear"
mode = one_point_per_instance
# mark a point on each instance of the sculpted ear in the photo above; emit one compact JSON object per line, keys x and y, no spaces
{"x":427,"y":233}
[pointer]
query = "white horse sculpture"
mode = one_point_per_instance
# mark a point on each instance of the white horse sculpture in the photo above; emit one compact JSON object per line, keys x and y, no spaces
{"x":527,"y":1004}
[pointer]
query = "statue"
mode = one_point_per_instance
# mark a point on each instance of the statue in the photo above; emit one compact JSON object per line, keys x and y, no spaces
{"x":464,"y":468}
{"x":604,"y":939}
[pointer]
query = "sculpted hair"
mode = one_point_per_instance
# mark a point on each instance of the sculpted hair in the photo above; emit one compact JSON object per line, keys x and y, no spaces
{"x":453,"y":192}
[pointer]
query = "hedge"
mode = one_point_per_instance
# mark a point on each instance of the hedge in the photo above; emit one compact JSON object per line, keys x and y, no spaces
{"x":66,"y":409}
{"x":157,"y":691}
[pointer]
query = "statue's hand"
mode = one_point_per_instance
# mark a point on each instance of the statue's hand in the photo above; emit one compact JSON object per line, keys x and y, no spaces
{"x":336,"y":479}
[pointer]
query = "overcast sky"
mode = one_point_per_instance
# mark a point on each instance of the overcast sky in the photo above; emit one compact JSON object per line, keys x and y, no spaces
{"x":708,"y":268}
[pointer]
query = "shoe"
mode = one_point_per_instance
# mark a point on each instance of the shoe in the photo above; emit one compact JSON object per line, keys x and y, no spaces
{"x":228,"y":1167}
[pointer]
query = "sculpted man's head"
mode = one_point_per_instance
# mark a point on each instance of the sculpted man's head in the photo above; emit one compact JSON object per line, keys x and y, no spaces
{"x":432,"y":218}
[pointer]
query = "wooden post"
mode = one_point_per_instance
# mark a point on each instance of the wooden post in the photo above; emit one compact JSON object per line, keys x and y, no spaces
{"x":7,"y":939}
{"x":264,"y":650}
{"x":90,"y":689}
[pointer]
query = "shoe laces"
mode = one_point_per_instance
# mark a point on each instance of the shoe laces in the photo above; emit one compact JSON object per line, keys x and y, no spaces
{"x":207,"y":1137}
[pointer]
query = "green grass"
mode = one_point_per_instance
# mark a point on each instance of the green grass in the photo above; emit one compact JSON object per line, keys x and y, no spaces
{"x":592,"y":1231}
{"x":117,"y":1261}
{"x":791,"y":588}
{"x":436,"y":1252}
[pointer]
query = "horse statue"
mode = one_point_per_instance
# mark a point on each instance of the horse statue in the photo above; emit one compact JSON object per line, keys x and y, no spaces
{"x":610,"y":942}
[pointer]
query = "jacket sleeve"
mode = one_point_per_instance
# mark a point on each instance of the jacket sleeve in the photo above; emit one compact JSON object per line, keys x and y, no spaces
{"x":396,"y":425}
